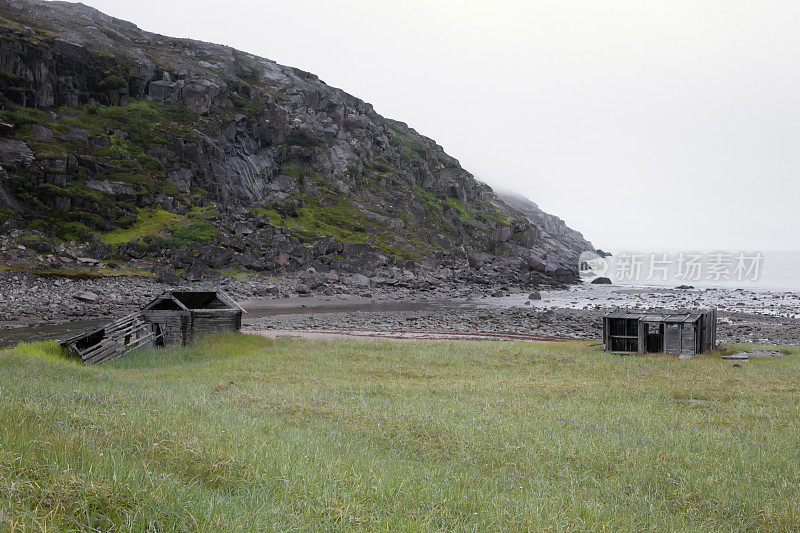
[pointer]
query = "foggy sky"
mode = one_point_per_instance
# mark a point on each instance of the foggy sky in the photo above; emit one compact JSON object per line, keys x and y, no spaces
{"x":665,"y":124}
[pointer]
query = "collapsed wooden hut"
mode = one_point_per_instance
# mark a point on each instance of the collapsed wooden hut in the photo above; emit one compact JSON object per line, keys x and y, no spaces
{"x":111,"y":340}
{"x":176,"y":317}
{"x":683,"y":333}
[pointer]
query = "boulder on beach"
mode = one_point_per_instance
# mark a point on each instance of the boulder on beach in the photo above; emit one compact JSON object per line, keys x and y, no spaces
{"x":601,"y":281}
{"x":86,"y":296}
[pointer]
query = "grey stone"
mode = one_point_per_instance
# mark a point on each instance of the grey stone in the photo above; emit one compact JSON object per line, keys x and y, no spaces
{"x":168,"y":276}
{"x":41,"y":133}
{"x":12,"y":151}
{"x":181,"y":179}
{"x":359,"y":280}
{"x":86,"y":296}
{"x":535,"y":264}
{"x":195,"y":272}
{"x":161,"y":90}
{"x":77,"y":135}
{"x":112,"y":188}
{"x":271,"y":289}
{"x":215,"y":256}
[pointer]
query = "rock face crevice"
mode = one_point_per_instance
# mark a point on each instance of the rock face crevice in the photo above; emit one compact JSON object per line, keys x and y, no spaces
{"x":266,"y":162}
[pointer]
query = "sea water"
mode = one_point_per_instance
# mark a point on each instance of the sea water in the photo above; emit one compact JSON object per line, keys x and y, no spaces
{"x":777,"y":270}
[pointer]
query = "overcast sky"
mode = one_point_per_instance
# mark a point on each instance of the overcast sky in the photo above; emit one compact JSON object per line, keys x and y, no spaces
{"x":665,"y":124}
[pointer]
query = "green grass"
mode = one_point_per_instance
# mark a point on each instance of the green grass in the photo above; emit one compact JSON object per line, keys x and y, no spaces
{"x":90,"y":273}
{"x":195,"y":230}
{"x":149,"y":222}
{"x":238,"y":433}
{"x":173,"y":229}
{"x":340,"y":220}
{"x":119,"y":157}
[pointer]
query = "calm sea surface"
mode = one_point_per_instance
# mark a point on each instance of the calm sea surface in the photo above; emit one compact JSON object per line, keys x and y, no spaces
{"x":778,"y":270}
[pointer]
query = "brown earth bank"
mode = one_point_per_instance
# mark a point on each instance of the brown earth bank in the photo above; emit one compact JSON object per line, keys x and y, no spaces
{"x":36,"y":307}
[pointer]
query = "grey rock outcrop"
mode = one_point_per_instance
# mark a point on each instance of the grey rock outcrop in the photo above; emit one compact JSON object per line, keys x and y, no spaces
{"x":288,"y":172}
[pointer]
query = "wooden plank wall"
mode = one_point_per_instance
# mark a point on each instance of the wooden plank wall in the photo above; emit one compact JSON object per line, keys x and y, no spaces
{"x":642,"y":337}
{"x":679,"y":338}
{"x":218,"y":320}
{"x":672,"y":338}
{"x":174,"y":325}
{"x":708,"y":324}
{"x":181,"y":327}
{"x":688,"y":346}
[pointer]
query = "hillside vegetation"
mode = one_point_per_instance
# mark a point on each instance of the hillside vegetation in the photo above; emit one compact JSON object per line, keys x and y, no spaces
{"x":103,"y":124}
{"x":242,"y":433}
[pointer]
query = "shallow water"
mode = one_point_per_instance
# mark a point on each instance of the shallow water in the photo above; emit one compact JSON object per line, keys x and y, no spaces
{"x":299,"y":306}
{"x":12,"y":336}
{"x":778,"y":270}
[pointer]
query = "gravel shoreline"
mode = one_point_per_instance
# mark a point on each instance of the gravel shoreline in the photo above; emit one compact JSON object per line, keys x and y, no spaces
{"x":33,"y":303}
{"x":568,"y":323}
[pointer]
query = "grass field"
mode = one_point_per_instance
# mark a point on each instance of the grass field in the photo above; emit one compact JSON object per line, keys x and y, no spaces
{"x":242,"y":433}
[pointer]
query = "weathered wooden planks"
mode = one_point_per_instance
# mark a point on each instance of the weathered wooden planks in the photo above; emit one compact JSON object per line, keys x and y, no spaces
{"x":684,"y":333}
{"x":173,"y":318}
{"x":113,"y":340}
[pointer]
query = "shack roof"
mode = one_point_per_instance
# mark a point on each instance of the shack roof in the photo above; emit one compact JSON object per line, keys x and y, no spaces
{"x":188,"y":300}
{"x":673,"y":317}
{"x":624,"y":314}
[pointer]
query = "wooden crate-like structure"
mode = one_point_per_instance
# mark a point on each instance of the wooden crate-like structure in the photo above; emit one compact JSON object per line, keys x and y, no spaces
{"x":683,"y":333}
{"x":177,"y":317}
{"x":112,"y":340}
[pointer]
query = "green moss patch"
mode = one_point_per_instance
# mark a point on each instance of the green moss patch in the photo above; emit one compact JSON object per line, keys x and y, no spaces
{"x":150,"y":222}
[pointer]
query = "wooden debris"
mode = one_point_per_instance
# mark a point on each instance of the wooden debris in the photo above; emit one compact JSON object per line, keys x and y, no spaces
{"x":112,"y":340}
{"x":753,"y":354}
{"x":173,"y":318}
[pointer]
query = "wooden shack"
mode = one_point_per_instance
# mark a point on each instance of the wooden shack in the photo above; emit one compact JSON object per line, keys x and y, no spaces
{"x":112,"y":340}
{"x":176,"y":317}
{"x":683,"y":333}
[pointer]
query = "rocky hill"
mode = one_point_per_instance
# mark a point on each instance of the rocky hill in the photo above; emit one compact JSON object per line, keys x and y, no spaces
{"x":196,"y":156}
{"x":558,"y":240}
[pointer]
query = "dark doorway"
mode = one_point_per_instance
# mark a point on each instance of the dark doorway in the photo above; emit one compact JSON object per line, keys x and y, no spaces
{"x":158,"y":334}
{"x":654,"y":338}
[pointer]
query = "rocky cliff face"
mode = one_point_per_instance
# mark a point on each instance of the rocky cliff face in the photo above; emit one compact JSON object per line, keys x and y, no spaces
{"x":558,"y":239}
{"x":200,"y":156}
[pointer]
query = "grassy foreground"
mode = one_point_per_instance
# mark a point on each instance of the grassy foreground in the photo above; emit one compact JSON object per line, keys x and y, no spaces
{"x":242,"y":433}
